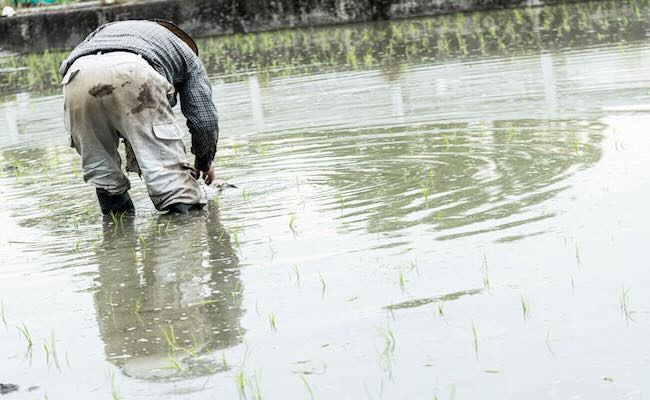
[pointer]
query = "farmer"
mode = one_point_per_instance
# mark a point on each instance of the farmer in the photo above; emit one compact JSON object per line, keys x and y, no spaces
{"x":122,"y":82}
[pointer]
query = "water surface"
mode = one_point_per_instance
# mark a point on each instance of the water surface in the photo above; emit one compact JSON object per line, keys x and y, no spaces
{"x":446,"y":207}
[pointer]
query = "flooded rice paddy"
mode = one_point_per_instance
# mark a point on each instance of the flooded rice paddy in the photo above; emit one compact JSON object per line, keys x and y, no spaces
{"x":452,"y":207}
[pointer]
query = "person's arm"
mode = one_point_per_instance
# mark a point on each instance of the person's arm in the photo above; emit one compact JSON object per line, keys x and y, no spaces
{"x":197,"y":106}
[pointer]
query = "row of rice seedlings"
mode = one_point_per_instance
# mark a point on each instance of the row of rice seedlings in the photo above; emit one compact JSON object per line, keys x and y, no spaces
{"x":291,"y":52}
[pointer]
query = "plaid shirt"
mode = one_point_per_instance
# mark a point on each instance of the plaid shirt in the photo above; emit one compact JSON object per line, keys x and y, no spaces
{"x":174,"y":60}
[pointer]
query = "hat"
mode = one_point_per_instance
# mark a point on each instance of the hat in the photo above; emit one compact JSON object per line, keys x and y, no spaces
{"x":178,"y":32}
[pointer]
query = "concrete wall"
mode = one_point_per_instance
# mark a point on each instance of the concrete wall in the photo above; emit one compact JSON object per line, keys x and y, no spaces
{"x":63,"y":28}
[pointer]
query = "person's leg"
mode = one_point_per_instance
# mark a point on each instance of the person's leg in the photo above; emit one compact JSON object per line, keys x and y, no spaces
{"x":93,"y":135}
{"x":145,"y":118}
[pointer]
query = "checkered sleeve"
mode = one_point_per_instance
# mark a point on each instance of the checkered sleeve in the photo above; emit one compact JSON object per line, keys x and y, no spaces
{"x":196,"y":104}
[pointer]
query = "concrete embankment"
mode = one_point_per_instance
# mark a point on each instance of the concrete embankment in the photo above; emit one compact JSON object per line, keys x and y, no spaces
{"x":64,"y":27}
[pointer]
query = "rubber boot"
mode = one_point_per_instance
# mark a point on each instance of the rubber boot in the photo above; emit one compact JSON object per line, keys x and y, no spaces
{"x":182,"y":208}
{"x":119,"y":203}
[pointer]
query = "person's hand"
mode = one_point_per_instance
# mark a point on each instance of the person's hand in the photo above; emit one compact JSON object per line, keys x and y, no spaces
{"x":208,"y":176}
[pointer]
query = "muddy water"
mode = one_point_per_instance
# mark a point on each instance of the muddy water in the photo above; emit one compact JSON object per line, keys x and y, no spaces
{"x":461,"y":225}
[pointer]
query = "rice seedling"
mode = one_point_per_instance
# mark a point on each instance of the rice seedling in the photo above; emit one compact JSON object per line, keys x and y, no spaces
{"x":292,"y":222}
{"x":387,"y":355}
{"x":224,"y":361}
{"x":3,"y":314}
{"x":524,"y":308}
{"x":475,"y":339}
{"x":134,"y":253}
{"x":174,"y":364}
{"x":486,"y":277}
{"x":310,"y":390}
{"x":441,"y":309}
{"x":245,"y":195}
{"x":137,"y":307}
{"x":446,"y":140}
{"x":235,"y":293}
{"x":273,"y":322}
{"x":170,"y":338}
{"x":547,"y":340}
{"x":340,"y":200}
{"x":46,"y":349}
{"x":114,"y":392}
{"x":577,"y":254}
{"x":625,"y":304}
{"x":322,"y":283}
{"x":425,"y":193}
{"x":143,"y":245}
{"x":235,"y":236}
{"x":297,"y":273}
{"x":25,"y":332}
{"x":53,"y":352}
{"x":414,"y":265}
{"x":401,"y":281}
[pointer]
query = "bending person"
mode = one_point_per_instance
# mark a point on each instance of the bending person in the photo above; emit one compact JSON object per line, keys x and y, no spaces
{"x":122,"y":82}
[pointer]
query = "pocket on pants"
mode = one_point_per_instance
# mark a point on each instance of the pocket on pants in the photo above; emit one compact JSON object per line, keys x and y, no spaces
{"x":168,"y":131}
{"x":172,"y":149}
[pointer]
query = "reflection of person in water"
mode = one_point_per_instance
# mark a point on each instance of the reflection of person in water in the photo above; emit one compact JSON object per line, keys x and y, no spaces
{"x":167,"y":302}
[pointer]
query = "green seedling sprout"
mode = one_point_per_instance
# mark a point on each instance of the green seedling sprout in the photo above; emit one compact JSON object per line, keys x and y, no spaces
{"x":425,"y":193}
{"x":114,"y":393}
{"x":307,"y":386}
{"x":170,"y":338}
{"x":3,"y":314}
{"x":322,"y":283}
{"x":273,"y":322}
{"x":143,"y":245}
{"x":624,"y":303}
{"x":173,"y":364}
{"x":387,"y":355}
{"x":137,"y":307}
{"x":578,"y":254}
{"x":401,"y":281}
{"x":224,"y":361}
{"x":235,"y":236}
{"x":486,"y":277}
{"x":524,"y":308}
{"x":46,"y":348}
{"x":341,"y":201}
{"x":240,"y":381}
{"x":547,"y":340}
{"x":297,"y":272}
{"x":292,"y":222}
{"x":475,"y":339}
{"x":28,"y":337}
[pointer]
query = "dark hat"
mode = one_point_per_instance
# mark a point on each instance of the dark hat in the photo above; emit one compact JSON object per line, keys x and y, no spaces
{"x":178,"y":32}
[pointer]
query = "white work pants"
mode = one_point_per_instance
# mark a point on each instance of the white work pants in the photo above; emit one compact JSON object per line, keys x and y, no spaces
{"x":118,"y":94}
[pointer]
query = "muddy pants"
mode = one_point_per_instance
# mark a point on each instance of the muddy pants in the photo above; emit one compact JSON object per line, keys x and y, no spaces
{"x":119,"y":95}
